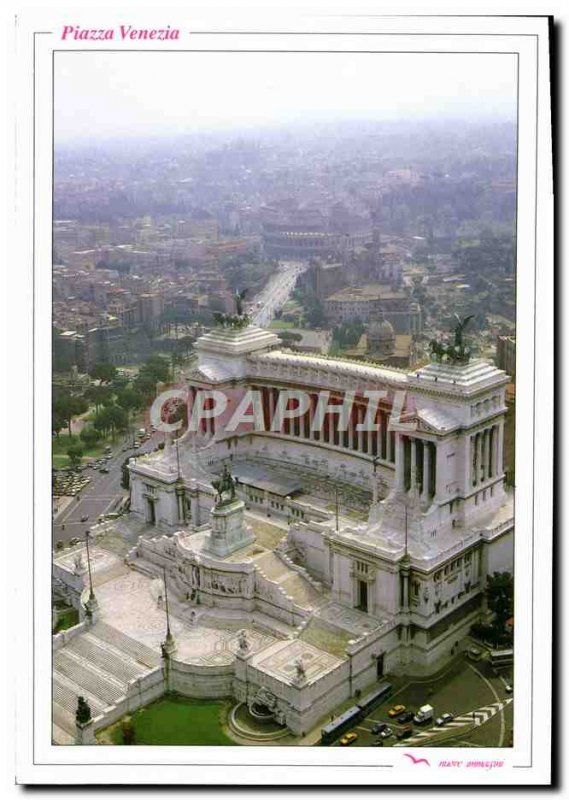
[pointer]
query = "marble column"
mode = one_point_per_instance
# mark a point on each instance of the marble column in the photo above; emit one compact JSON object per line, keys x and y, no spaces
{"x":495,"y":436}
{"x":500,"y":450}
{"x":426,"y":470}
{"x":399,"y":462}
{"x":479,"y":472}
{"x":271,"y":406}
{"x":413,"y":464}
{"x":486,"y":460}
{"x":311,"y":417}
{"x":405,"y":571}
{"x":361,"y":414}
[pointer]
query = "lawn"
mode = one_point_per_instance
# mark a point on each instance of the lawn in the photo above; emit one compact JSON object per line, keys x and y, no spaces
{"x":176,"y":720}
{"x":60,"y":445}
{"x":281,"y":325}
{"x":67,"y":618}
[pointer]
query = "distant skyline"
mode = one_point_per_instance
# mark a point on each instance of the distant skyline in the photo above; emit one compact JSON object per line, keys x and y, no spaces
{"x":116,"y":95}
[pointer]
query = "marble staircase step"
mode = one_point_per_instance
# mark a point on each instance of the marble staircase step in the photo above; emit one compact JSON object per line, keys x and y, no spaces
{"x":97,"y":682}
{"x":103,"y":655}
{"x":143,"y":654}
{"x":66,"y":692}
{"x":293,"y":583}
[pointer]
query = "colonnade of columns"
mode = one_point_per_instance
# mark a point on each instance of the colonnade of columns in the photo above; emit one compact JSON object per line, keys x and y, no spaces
{"x":379,"y":443}
{"x":486,"y":449}
{"x":416,"y":466}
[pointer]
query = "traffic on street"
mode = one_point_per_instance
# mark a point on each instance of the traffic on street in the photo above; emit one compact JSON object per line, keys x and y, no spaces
{"x":103,"y":493}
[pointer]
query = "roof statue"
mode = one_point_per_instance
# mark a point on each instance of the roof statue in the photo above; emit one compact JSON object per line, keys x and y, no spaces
{"x":225,"y":488}
{"x":234,"y":321}
{"x":455,"y":352}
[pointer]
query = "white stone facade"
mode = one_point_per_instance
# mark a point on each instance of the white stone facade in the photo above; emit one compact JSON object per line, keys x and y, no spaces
{"x":439,"y":516}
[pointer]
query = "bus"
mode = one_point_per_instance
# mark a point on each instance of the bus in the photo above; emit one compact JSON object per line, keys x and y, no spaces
{"x":336,"y":728}
{"x":353,"y":715}
{"x":501,"y":658}
{"x":373,"y":699}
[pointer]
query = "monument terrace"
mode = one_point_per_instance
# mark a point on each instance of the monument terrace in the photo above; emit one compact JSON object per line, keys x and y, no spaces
{"x":341,"y":530}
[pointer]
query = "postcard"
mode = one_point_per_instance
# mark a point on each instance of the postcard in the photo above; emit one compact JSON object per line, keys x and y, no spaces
{"x":290,"y":329}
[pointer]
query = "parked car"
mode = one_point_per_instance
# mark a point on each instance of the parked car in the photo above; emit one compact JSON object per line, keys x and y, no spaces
{"x":349,"y":738}
{"x":405,"y":732}
{"x":379,"y":727}
{"x":406,"y":716}
{"x":443,"y":719}
{"x":74,"y":540}
{"x":105,"y":470}
{"x":377,"y":743}
{"x":395,"y":711}
{"x":386,"y":733}
{"x":84,"y":518}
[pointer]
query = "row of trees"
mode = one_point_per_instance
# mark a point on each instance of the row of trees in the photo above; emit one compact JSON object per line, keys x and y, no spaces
{"x":114,"y":397}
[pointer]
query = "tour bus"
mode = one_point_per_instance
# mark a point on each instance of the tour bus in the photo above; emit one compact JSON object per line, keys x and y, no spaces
{"x":336,"y":728}
{"x":350,"y":717}
{"x":373,"y":699}
{"x":501,"y":658}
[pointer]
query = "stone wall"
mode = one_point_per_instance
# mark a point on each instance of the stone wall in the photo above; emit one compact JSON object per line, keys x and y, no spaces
{"x":140,"y":692}
{"x":193,"y":680}
{"x":303,"y":706}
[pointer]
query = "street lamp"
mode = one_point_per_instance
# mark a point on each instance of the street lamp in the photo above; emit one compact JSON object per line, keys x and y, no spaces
{"x":375,"y":462}
{"x":91,"y":605}
{"x":169,"y":644}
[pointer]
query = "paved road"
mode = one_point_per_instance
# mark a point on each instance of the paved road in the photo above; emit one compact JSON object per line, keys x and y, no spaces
{"x":463,"y":689}
{"x":276,"y":292}
{"x":100,"y":496}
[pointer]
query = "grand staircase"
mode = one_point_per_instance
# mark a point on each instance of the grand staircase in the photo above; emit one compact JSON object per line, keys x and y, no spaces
{"x":97,"y":664}
{"x":294,"y":584}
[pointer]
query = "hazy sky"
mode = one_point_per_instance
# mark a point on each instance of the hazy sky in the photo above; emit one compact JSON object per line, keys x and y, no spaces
{"x":100,"y":95}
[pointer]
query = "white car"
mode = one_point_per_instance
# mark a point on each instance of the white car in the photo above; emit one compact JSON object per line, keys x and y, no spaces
{"x":444,"y":719}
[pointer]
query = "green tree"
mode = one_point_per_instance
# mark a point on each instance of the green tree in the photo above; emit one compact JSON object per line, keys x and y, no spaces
{"x":127,"y":730}
{"x":155,"y":370}
{"x":102,"y":421}
{"x":500,"y":598}
{"x":57,"y":421}
{"x":103,"y":372}
{"x":75,"y":453}
{"x":83,"y":711}
{"x":89,"y":436}
{"x":112,"y":418}
{"x":158,"y":367}
{"x":98,"y":395}
{"x":129,"y":399}
{"x":66,"y":407}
